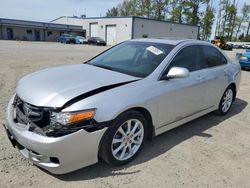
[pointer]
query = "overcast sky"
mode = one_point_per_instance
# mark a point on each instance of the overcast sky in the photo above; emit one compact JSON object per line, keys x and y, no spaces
{"x":47,"y":10}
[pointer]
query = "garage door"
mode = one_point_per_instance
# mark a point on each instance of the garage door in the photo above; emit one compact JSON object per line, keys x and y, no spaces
{"x":111,"y":34}
{"x":93,"y":29}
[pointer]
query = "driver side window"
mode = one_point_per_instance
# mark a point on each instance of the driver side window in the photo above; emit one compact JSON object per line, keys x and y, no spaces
{"x":189,"y":58}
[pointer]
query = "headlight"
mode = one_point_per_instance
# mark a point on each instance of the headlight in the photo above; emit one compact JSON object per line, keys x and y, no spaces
{"x":243,"y":58}
{"x":66,"y":118}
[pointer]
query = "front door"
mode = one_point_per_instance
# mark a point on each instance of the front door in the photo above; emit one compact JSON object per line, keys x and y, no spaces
{"x":37,"y":35}
{"x":182,"y":97}
{"x":10,"y":34}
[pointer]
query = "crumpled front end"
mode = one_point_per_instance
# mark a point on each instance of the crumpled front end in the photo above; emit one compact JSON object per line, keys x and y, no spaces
{"x":58,"y":155}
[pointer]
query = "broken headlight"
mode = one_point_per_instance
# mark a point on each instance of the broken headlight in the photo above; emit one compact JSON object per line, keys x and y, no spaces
{"x":68,"y":118}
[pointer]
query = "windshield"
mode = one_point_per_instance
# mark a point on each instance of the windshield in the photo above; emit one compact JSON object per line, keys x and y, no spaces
{"x":134,"y":58}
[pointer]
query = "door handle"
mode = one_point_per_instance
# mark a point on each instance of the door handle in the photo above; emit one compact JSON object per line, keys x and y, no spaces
{"x":226,"y":71}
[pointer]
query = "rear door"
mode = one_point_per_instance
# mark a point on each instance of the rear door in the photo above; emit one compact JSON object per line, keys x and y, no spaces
{"x":216,"y":74}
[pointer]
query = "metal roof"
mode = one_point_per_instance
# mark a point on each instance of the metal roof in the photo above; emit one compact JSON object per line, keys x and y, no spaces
{"x":35,"y":24}
{"x":121,"y":17}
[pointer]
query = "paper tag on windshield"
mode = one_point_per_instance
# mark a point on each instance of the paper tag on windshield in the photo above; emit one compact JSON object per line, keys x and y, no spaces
{"x":154,"y":50}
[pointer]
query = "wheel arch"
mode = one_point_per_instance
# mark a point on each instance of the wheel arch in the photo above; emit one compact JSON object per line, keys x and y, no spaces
{"x":148,"y":117}
{"x":233,"y":85}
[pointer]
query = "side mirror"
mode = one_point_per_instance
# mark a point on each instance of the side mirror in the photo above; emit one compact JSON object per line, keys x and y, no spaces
{"x":176,"y":72}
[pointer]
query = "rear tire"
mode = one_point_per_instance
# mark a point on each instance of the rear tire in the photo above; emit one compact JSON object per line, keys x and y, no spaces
{"x":124,"y":139}
{"x":226,"y":101}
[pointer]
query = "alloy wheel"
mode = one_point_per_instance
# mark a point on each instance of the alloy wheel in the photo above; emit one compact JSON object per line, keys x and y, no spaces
{"x":127,"y":140}
{"x":227,"y":100}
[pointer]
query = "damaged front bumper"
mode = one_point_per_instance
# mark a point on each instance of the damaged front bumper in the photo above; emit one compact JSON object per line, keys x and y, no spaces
{"x":57,"y":155}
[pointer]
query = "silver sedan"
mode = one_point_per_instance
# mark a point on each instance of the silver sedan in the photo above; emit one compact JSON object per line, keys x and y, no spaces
{"x":65,"y":118}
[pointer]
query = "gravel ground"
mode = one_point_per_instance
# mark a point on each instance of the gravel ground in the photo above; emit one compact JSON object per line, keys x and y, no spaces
{"x":211,"y":151}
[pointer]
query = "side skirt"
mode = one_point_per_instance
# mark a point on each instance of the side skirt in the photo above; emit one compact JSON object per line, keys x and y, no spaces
{"x":170,"y":126}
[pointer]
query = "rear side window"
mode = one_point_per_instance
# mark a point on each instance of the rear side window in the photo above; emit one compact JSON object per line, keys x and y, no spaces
{"x":188,"y":57}
{"x":213,"y":57}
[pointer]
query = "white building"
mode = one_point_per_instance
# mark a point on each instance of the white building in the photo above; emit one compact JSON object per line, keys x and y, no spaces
{"x":118,"y":29}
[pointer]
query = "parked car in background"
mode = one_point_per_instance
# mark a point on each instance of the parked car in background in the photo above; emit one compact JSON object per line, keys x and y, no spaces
{"x":228,"y":47}
{"x":67,"y":117}
{"x":96,"y":41}
{"x":66,"y":38}
{"x":237,"y":46}
{"x":245,"y":60}
{"x":81,"y":40}
{"x":246,"y":46}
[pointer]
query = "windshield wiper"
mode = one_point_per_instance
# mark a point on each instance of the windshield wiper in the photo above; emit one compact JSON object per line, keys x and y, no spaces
{"x":85,"y":62}
{"x":104,"y":67}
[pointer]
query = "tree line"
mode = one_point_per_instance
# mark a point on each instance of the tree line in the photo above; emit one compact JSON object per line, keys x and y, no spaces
{"x":230,"y":23}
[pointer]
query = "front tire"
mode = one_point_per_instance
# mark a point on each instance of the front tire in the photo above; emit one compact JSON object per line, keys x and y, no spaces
{"x":226,"y":101}
{"x":124,"y":138}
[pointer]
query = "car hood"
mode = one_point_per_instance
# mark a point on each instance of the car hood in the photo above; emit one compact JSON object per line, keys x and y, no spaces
{"x":54,"y":87}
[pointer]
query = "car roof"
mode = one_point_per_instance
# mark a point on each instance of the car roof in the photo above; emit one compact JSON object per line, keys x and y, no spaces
{"x":170,"y":40}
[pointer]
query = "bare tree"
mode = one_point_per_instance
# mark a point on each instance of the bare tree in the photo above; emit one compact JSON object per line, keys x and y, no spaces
{"x":243,"y":18}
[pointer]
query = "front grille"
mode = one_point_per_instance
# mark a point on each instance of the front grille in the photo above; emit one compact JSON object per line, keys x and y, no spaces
{"x":38,"y":119}
{"x":27,"y":113}
{"x":33,"y":113}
